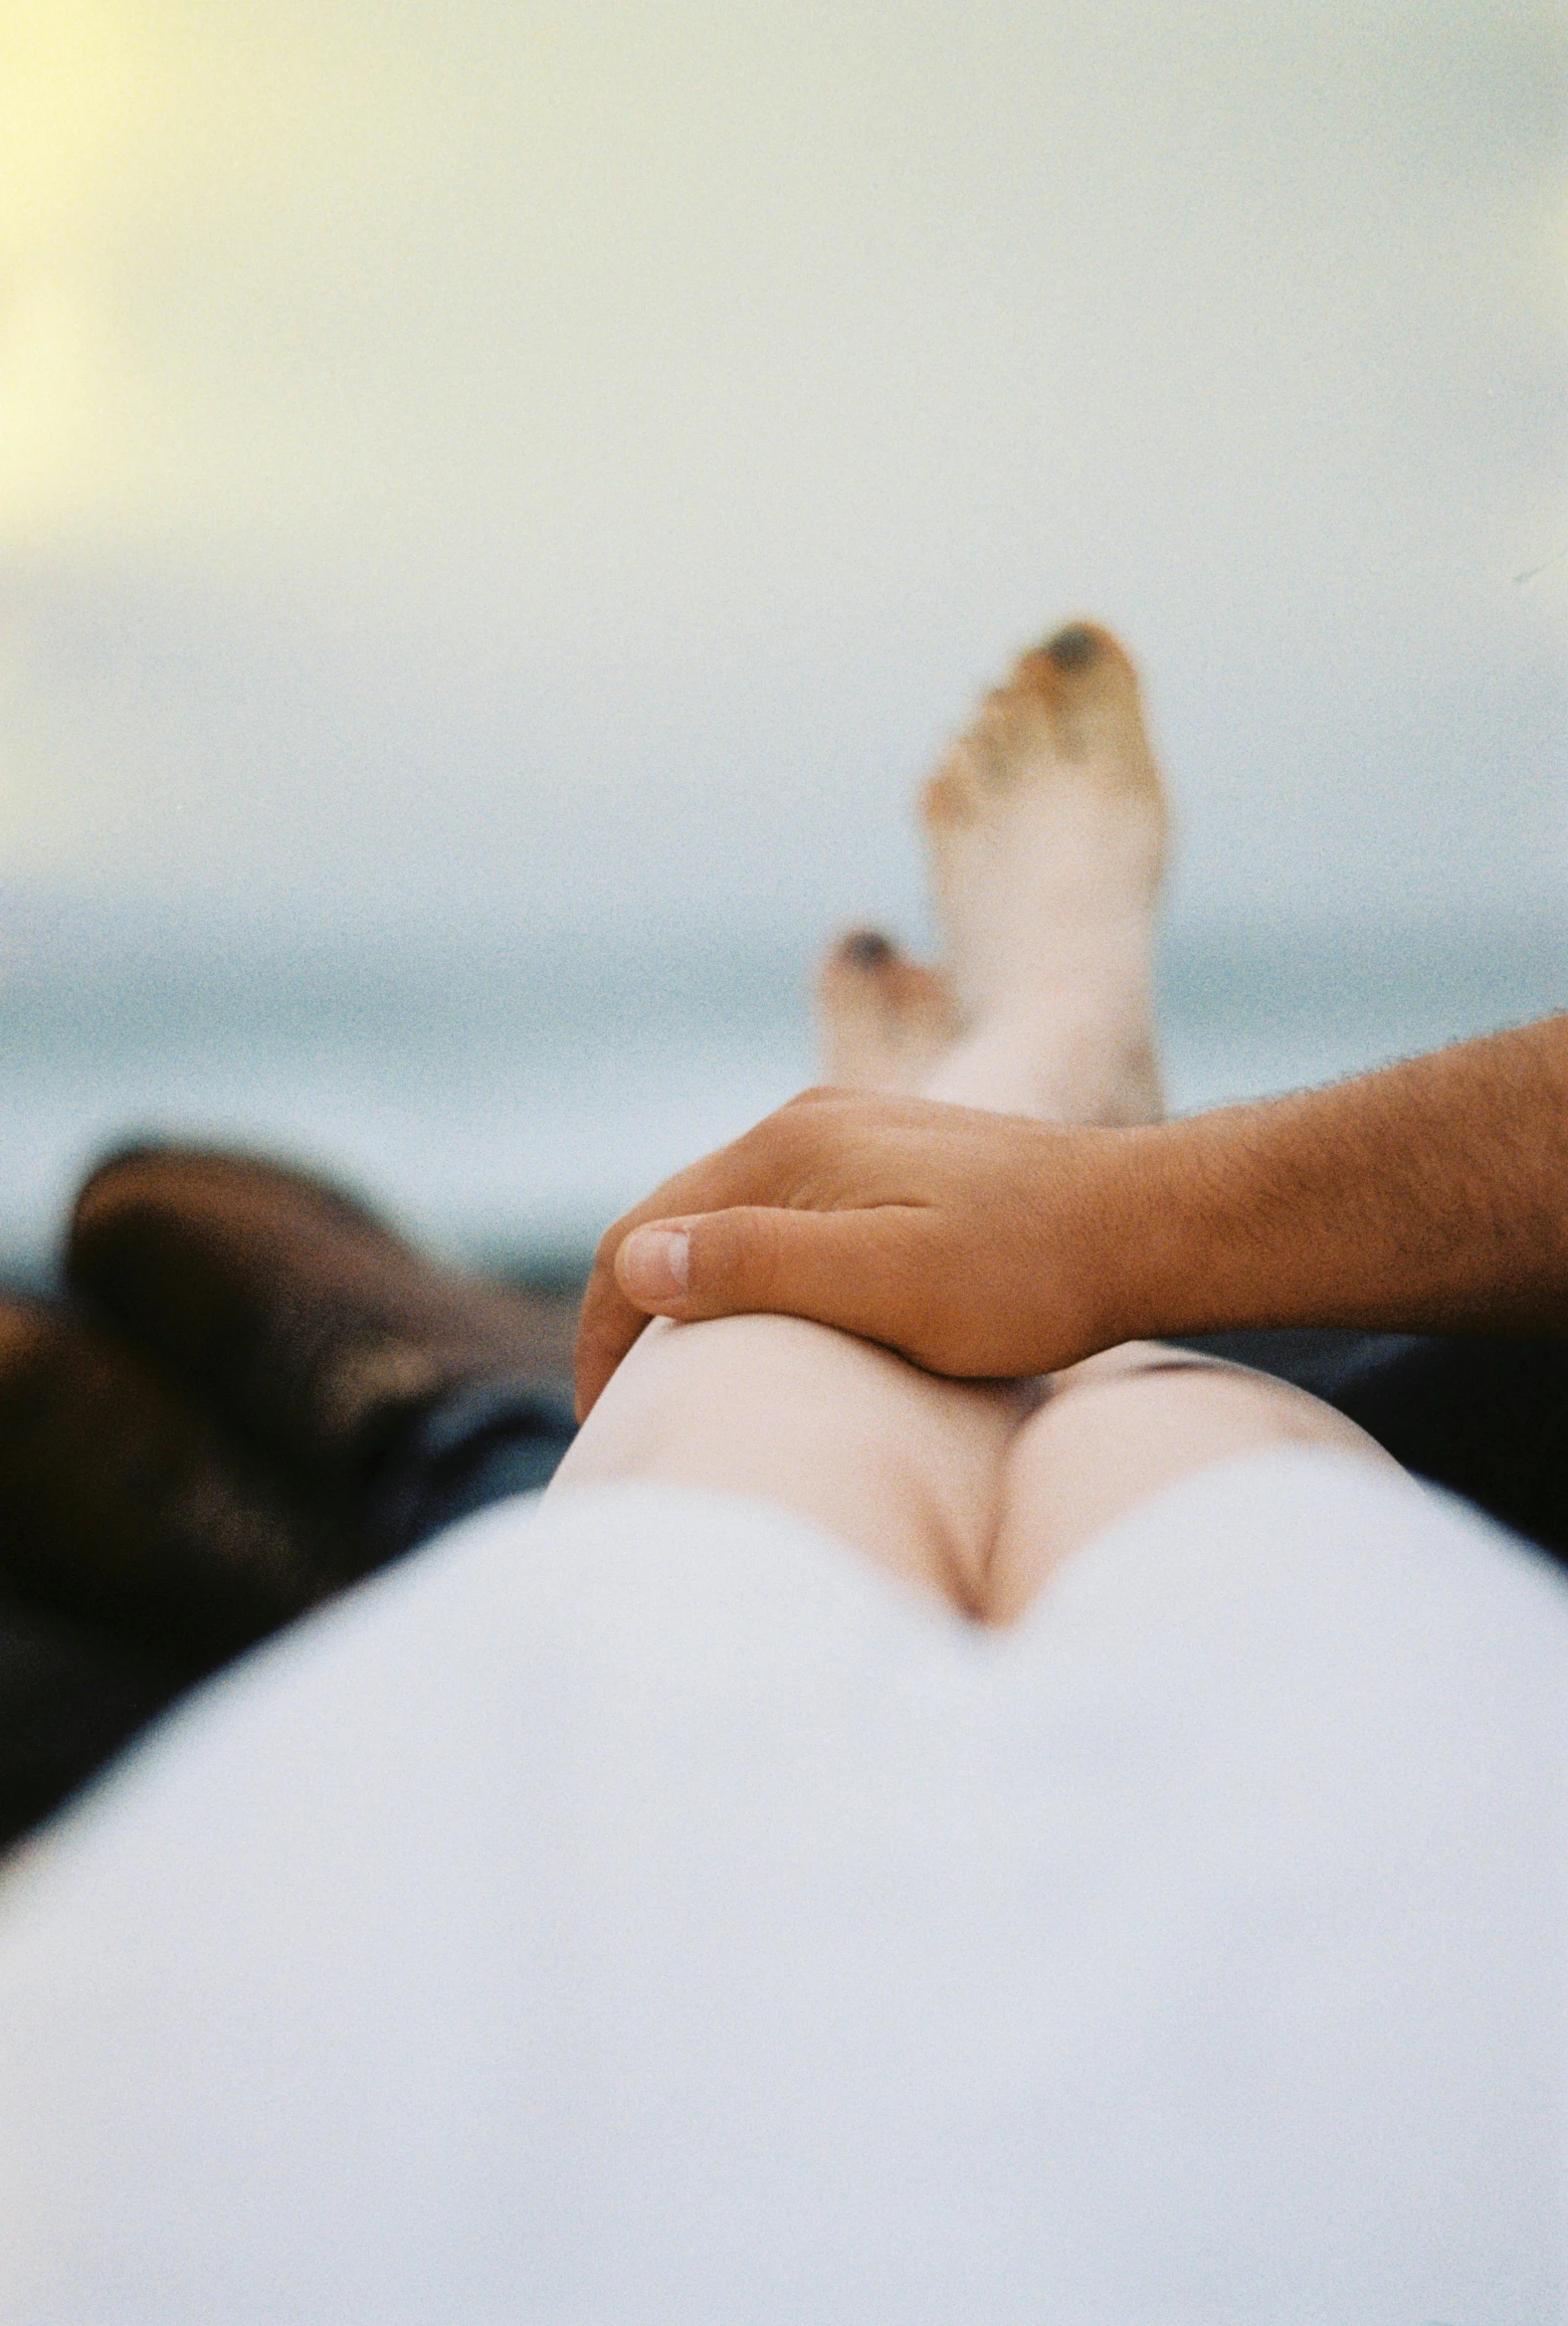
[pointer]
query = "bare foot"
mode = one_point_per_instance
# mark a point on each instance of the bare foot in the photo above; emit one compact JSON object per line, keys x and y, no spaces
{"x":884,"y":1020}
{"x":1047,"y":830}
{"x":1046,"y":827}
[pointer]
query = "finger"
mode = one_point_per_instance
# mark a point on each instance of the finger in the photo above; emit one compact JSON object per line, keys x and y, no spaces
{"x":847,"y":1269}
{"x":609,"y":1322}
{"x":853,"y":1269}
{"x":766,"y":1167}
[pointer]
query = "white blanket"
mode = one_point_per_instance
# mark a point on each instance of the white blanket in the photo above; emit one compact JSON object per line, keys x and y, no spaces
{"x":637,"y":1908}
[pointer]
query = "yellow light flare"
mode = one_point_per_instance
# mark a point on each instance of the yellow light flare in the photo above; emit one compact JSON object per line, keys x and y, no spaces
{"x":142,"y":147}
{"x":67,"y":98}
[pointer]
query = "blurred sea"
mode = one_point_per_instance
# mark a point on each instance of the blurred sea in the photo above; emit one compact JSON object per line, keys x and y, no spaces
{"x":506,"y":1102}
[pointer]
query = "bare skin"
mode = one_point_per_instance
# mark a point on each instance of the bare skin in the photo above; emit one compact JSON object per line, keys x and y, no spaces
{"x":1428,"y":1197}
{"x":1045,"y":1213}
{"x":917,"y":1222}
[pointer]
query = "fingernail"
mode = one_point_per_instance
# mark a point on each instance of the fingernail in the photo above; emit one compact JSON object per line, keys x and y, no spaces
{"x":656,"y":1263}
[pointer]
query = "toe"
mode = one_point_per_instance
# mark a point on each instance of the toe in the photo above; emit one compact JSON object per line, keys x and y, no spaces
{"x":861,"y":971}
{"x":1084,"y":683}
{"x":1079,"y":660}
{"x":1075,"y":647}
{"x":950,"y":797}
{"x":884,"y":1016}
{"x":866,"y":949}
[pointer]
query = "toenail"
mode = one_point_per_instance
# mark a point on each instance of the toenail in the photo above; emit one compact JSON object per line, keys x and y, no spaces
{"x":1074,"y":647}
{"x":868,"y":950}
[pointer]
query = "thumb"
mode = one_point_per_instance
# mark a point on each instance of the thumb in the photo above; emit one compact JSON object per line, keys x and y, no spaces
{"x":835,"y":1268}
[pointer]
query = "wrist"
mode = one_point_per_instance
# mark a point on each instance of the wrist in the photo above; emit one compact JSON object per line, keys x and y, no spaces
{"x":1169,"y":1260}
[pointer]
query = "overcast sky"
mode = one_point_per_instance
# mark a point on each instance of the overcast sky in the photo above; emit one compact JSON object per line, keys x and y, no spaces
{"x":570,"y":466}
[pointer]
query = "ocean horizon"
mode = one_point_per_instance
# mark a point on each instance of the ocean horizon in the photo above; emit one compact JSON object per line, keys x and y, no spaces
{"x":503,"y":1100}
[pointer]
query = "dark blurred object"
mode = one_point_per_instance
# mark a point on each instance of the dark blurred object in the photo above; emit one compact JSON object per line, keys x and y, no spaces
{"x":306,"y":1324}
{"x":127,"y":1509}
{"x":261,"y":1395}
{"x":140,"y":1549}
{"x":138,"y":1556}
{"x":69,"y":1702}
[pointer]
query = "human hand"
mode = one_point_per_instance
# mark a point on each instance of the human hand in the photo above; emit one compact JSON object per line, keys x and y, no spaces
{"x":980,"y":1245}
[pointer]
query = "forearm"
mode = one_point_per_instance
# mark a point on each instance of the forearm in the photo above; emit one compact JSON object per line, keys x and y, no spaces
{"x":1429,"y":1197}
{"x":1432,"y":1196}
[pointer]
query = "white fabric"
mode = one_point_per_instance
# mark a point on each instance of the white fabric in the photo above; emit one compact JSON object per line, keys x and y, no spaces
{"x":637,"y":1909}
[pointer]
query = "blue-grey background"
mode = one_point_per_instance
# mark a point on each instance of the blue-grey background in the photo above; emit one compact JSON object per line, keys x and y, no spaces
{"x":500,"y":504}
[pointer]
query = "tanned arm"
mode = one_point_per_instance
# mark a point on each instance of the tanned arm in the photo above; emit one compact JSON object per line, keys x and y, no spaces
{"x":1432,"y":1196}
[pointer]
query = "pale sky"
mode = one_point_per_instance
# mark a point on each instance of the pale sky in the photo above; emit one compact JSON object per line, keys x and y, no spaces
{"x":568,"y":467}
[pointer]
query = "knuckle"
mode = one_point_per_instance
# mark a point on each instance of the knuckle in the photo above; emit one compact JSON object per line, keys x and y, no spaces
{"x":812,"y":1138}
{"x":753,"y":1255}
